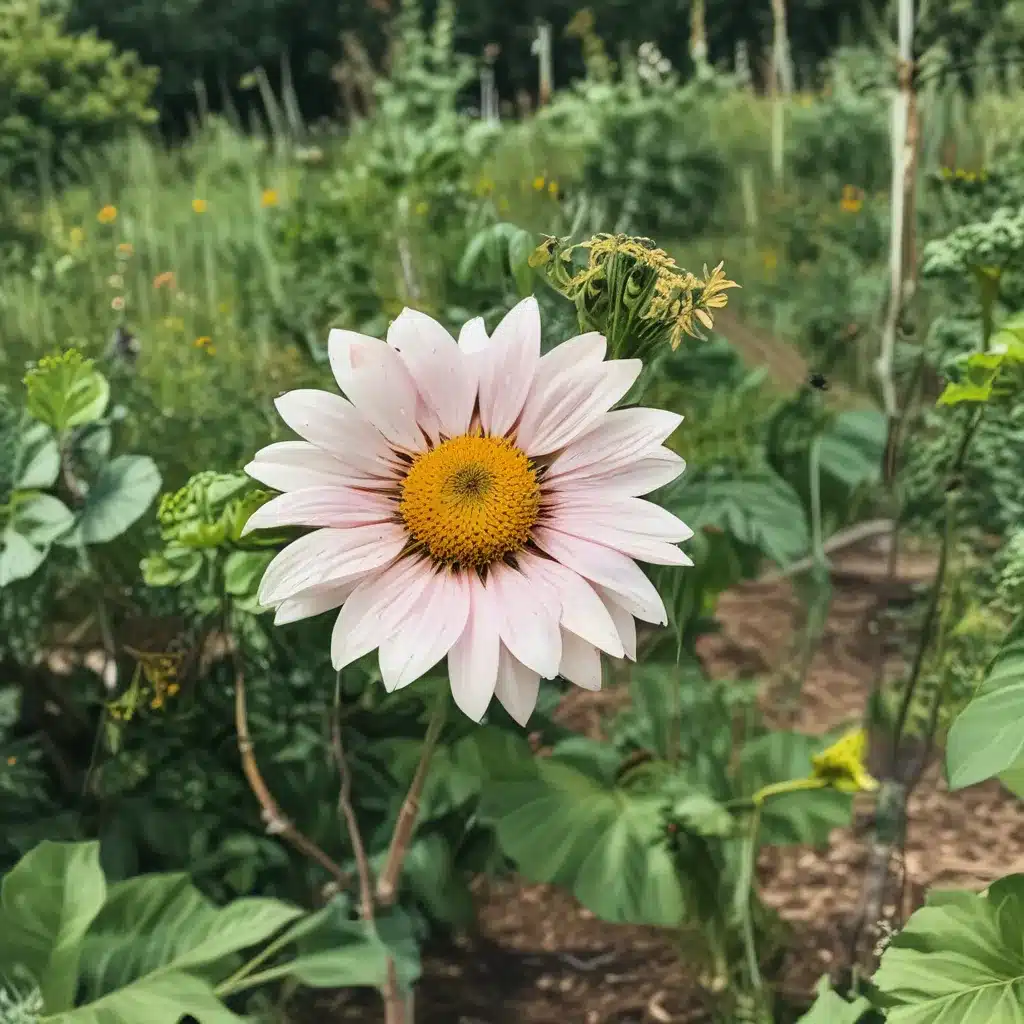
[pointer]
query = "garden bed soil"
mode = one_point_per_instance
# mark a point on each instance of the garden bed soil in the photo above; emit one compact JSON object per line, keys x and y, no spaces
{"x":540,"y":958}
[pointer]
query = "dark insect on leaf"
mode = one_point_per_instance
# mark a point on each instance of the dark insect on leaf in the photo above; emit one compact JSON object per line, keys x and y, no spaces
{"x":818,"y":381}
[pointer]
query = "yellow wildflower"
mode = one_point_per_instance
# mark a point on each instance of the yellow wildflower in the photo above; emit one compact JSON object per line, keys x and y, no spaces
{"x":553,"y":188}
{"x":202,"y":342}
{"x":269,"y":197}
{"x":421,"y":208}
{"x":107,"y":215}
{"x":76,"y":237}
{"x":538,"y":183}
{"x":11,"y":762}
{"x":841,"y":765}
{"x":125,"y":249}
{"x":199,"y":206}
{"x":165,"y":278}
{"x":852,"y":199}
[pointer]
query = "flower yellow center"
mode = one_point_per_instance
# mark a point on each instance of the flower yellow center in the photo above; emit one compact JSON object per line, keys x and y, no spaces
{"x":471,"y":501}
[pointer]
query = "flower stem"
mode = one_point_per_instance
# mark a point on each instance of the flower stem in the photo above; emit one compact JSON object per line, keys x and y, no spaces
{"x":387,"y":883}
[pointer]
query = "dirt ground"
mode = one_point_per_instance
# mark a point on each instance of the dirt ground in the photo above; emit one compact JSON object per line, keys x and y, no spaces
{"x":540,"y":958}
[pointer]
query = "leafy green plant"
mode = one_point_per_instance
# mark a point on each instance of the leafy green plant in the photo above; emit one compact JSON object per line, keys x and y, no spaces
{"x":62,"y":92}
{"x":153,"y":947}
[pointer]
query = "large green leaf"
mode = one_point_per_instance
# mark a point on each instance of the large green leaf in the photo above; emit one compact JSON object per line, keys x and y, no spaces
{"x":153,"y":924}
{"x":47,"y":902}
{"x":852,"y":446}
{"x":38,"y":459}
{"x":758,"y":509}
{"x":804,"y":817}
{"x":959,"y":960}
{"x":832,"y":1008}
{"x":118,"y":497}
{"x":156,"y":999}
{"x":41,"y":519}
{"x":18,"y":558}
{"x":987,"y":737}
{"x":562,"y":826}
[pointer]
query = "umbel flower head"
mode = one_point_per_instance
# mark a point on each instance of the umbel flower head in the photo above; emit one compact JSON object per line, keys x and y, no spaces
{"x":632,"y":291}
{"x":475,"y":500}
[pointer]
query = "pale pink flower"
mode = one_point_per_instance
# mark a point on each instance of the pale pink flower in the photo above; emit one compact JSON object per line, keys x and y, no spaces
{"x":473,"y":500}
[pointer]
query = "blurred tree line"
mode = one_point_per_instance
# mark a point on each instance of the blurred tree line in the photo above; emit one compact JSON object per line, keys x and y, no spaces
{"x":218,"y":41}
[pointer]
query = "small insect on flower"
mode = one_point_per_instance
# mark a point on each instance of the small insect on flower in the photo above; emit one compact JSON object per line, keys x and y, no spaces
{"x":818,"y":381}
{"x":107,"y":214}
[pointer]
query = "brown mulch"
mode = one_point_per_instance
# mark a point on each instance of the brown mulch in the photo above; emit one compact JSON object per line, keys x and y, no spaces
{"x":540,"y":958}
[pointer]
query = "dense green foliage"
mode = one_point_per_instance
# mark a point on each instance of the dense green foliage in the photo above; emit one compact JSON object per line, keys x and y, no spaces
{"x":152,"y":310}
{"x":62,"y":93}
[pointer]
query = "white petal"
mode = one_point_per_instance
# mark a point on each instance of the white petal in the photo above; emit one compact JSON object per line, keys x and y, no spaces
{"x":583,"y":611}
{"x":528,"y":612}
{"x":647,"y":474}
{"x":323,"y":506}
{"x":473,"y":336}
{"x":611,"y":569}
{"x":378,"y":384}
{"x":583,"y":350}
{"x":329,"y":556}
{"x":473,"y":659}
{"x":335,"y":425}
{"x":632,"y":514}
{"x":438,"y":368}
{"x":624,"y":622}
{"x":581,"y":662}
{"x":376,"y":609}
{"x":566,"y":407}
{"x":507,"y":367}
{"x":431,"y":627}
{"x":620,"y":438}
{"x":517,"y":687}
{"x":618,"y":538}
{"x":313,"y":602}
{"x":294,"y":465}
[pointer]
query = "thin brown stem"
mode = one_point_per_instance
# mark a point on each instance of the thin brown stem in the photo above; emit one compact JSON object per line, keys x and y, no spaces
{"x":347,"y":811}
{"x":276,"y":822}
{"x":387,"y":883}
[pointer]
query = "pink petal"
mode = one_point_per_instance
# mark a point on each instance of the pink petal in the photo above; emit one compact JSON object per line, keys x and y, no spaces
{"x":583,"y":350}
{"x":313,"y":602}
{"x":632,"y":514}
{"x":427,"y":634}
{"x":562,"y":409}
{"x":333,"y":424}
{"x":624,"y":622}
{"x":376,"y":609}
{"x":323,"y":506}
{"x":581,"y":662}
{"x":378,"y":384}
{"x":295,"y":465}
{"x":528,"y":613}
{"x":517,"y":687}
{"x":473,"y":659}
{"x":438,"y":367}
{"x":507,"y":367}
{"x":647,"y":474}
{"x":473,"y":336}
{"x":619,"y":439}
{"x":329,"y":556}
{"x":611,"y":569}
{"x":583,"y":611}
